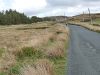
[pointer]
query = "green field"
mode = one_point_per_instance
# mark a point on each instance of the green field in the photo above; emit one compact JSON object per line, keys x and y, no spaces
{"x":96,"y":21}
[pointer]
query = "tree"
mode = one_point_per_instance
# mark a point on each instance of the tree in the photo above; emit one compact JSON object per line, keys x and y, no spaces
{"x":36,"y":19}
{"x":10,"y":16}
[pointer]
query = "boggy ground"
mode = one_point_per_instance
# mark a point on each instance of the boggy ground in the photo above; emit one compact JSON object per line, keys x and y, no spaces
{"x":34,"y":49}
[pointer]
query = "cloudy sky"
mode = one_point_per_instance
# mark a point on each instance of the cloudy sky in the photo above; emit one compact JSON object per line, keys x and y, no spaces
{"x":43,"y":8}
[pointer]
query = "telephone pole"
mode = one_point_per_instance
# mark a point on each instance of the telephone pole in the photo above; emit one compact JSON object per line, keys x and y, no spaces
{"x":90,"y":16}
{"x":83,"y":16}
{"x":64,"y":17}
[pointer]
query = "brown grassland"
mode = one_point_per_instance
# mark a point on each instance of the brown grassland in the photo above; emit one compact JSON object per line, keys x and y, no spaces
{"x":87,"y":25}
{"x":34,"y":49}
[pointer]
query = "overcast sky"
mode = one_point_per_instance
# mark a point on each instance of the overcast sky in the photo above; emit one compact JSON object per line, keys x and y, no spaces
{"x":43,"y":8}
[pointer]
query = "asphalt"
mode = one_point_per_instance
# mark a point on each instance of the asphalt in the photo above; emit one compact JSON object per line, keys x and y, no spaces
{"x":84,"y":52}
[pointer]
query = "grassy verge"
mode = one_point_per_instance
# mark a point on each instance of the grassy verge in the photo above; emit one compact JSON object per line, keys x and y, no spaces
{"x":96,"y":22}
{"x":87,"y":25}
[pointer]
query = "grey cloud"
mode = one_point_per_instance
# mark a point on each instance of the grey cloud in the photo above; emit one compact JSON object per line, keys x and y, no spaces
{"x":45,"y":10}
{"x":69,"y":2}
{"x":64,"y":5}
{"x":62,"y":2}
{"x":90,"y":0}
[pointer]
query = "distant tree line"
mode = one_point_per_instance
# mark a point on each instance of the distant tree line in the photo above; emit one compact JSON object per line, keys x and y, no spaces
{"x":10,"y":17}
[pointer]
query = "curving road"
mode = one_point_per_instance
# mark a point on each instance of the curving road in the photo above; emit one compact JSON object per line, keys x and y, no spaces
{"x":84,"y":52}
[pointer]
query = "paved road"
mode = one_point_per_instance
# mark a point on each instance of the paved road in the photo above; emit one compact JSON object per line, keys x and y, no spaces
{"x":84,"y":52}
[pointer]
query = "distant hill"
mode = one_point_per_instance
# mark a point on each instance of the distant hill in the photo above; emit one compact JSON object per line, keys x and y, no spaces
{"x":57,"y":18}
{"x":85,"y":17}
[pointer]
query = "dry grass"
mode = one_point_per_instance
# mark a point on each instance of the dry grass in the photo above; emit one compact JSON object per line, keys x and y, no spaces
{"x":41,"y":67}
{"x":58,"y":40}
{"x":88,"y":26}
{"x":48,"y":37}
{"x":57,"y":50}
{"x":7,"y":61}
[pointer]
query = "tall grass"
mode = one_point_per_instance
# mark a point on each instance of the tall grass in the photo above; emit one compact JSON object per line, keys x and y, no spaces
{"x":29,"y":52}
{"x":33,"y":49}
{"x":88,"y":26}
{"x":14,"y":70}
{"x":1,"y":52}
{"x":41,"y":67}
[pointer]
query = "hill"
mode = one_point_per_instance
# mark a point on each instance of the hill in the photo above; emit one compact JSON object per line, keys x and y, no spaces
{"x":57,"y":18}
{"x":85,"y":17}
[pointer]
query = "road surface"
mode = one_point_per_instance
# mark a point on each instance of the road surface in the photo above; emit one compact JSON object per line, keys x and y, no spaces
{"x":84,"y":52}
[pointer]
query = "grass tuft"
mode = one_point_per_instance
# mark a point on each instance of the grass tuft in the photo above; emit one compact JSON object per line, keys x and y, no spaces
{"x":29,"y":52}
{"x":1,"y":51}
{"x":3,"y":73}
{"x":41,"y":67}
{"x":14,"y":70}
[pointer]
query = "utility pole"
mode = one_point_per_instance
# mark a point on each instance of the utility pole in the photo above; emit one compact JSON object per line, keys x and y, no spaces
{"x":83,"y":16}
{"x":90,"y":16}
{"x":64,"y":17}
